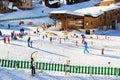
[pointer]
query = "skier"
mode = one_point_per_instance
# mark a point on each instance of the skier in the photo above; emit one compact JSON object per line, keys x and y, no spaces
{"x":85,"y":47}
{"x":4,"y":39}
{"x":50,"y":39}
{"x":21,"y":32}
{"x":83,"y":38}
{"x":102,"y":51}
{"x":28,"y":41}
{"x":31,"y":44}
{"x":1,"y":33}
{"x":76,"y":43}
{"x":32,"y":67}
{"x":43,"y":37}
{"x":8,"y":26}
{"x":9,"y":40}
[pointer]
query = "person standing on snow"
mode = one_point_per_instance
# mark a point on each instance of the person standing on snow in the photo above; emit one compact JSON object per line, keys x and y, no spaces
{"x":102,"y":51}
{"x":85,"y":47}
{"x":32,"y":67}
{"x":83,"y":38}
{"x":28,"y":41}
{"x":50,"y":39}
{"x":4,"y":39}
{"x":1,"y":33}
{"x":9,"y":40}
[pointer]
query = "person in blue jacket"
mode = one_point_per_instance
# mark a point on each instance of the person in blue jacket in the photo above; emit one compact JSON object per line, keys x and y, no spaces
{"x":28,"y":41}
{"x":85,"y":47}
{"x":1,"y":33}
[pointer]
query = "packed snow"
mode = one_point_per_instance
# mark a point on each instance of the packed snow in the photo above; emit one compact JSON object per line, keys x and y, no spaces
{"x":56,"y":51}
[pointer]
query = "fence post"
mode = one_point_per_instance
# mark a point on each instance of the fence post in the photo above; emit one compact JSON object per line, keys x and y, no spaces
{"x":43,"y":65}
{"x":14,"y":64}
{"x":61,"y":67}
{"x":49,"y":66}
{"x":18,"y":63}
{"x":21,"y":64}
{"x":52,"y":66}
{"x":77,"y":69}
{"x":109,"y":70}
{"x":118,"y":71}
{"x":5,"y":63}
{"x":2,"y":62}
{"x":105,"y":71}
{"x":8,"y":63}
{"x":64,"y":68}
{"x":99,"y":70}
{"x":11,"y":64}
{"x":85,"y":69}
{"x":57,"y":67}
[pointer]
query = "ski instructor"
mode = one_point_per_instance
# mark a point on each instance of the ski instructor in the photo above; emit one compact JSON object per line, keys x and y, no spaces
{"x":32,"y":66}
{"x":33,"y":71}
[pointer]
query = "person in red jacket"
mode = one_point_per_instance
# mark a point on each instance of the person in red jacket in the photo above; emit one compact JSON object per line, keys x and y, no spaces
{"x":4,"y":39}
{"x":102,"y":51}
{"x":8,"y":39}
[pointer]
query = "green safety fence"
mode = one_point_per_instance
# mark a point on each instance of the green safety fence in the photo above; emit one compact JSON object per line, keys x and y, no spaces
{"x":2,"y":20}
{"x":92,"y":70}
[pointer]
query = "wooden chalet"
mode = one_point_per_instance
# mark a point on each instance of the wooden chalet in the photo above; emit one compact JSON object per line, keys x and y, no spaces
{"x":72,"y":1}
{"x":1,"y":5}
{"x":107,"y":2}
{"x":51,"y":3}
{"x":88,"y":20}
{"x":23,"y":4}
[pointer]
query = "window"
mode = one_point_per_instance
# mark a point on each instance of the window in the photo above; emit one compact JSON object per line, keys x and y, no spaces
{"x":21,"y":4}
{"x":87,"y":23}
{"x":91,"y":23}
{"x":23,"y":0}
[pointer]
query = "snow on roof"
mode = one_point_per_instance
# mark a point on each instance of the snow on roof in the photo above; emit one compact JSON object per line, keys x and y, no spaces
{"x":66,"y":12}
{"x":15,"y":7}
{"x":10,"y":5}
{"x":60,"y":11}
{"x":107,"y":0}
{"x":93,"y":11}
{"x":97,"y":10}
{"x":118,"y":4}
{"x":53,"y":2}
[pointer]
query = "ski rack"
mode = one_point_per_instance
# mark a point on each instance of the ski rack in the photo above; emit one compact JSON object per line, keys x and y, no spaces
{"x":92,"y":70}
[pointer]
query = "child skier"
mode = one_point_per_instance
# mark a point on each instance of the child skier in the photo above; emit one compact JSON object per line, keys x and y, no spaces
{"x":85,"y":47}
{"x":102,"y":51}
{"x":28,"y":41}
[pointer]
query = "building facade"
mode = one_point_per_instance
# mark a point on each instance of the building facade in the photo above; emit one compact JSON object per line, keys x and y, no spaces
{"x":107,"y":2}
{"x":24,"y":4}
{"x":89,"y":23}
{"x":1,"y":5}
{"x":72,"y":1}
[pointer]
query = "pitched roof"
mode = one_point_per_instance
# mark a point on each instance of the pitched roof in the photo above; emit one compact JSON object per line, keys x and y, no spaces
{"x":92,"y":11}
